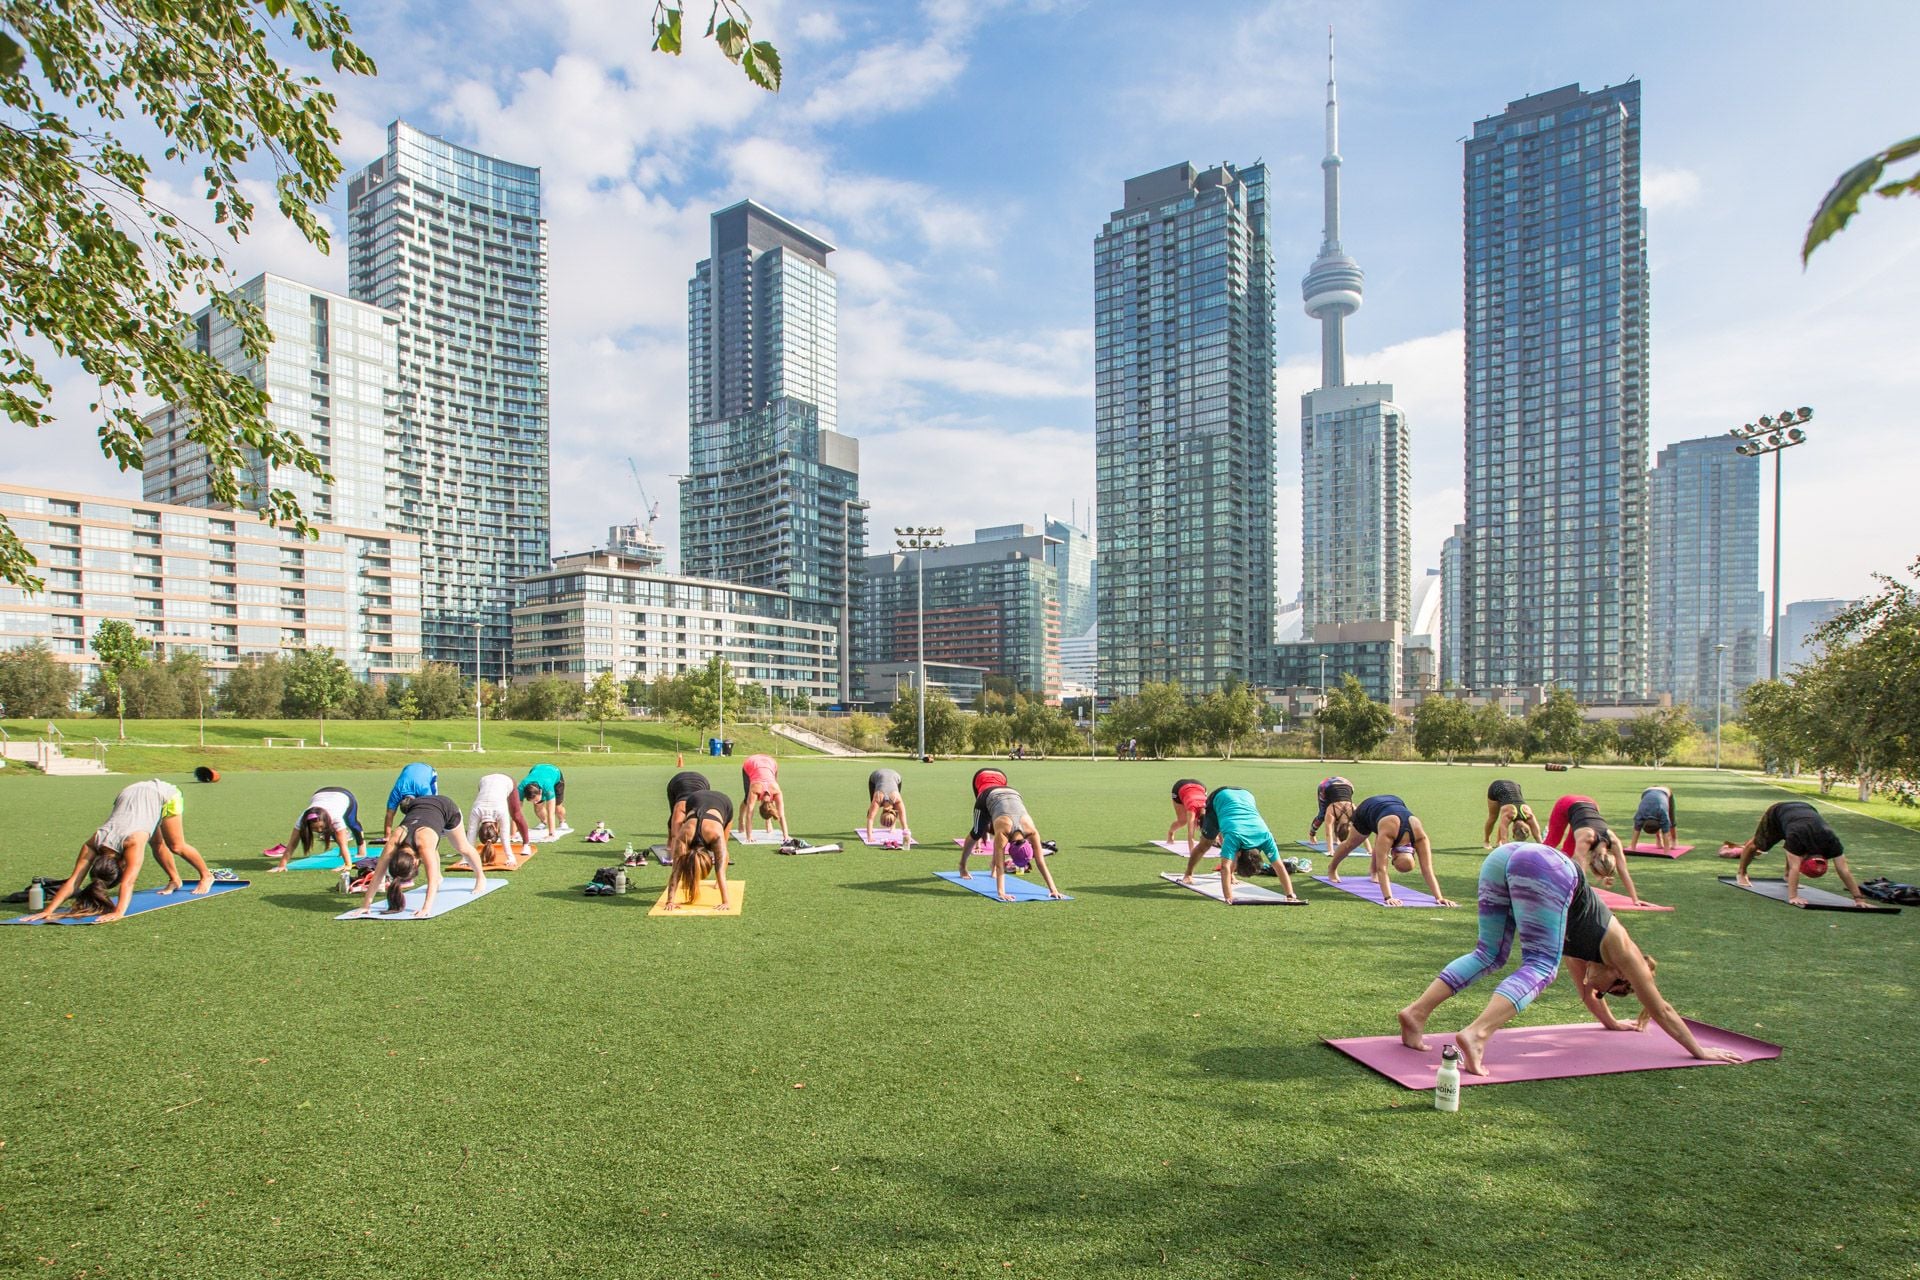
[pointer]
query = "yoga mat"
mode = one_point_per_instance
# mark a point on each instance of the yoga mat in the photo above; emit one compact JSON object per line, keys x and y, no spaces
{"x":1318,"y":846}
{"x":1167,"y":846}
{"x":1817,"y":899}
{"x":1244,"y":894}
{"x":657,"y":850}
{"x":706,"y":901}
{"x":809,"y":848}
{"x":1621,"y":902}
{"x":981,"y":882}
{"x":317,"y":861}
{"x":1552,"y":1053}
{"x":882,"y":838}
{"x":493,"y":859}
{"x":1364,"y":888}
{"x":1648,"y":851}
{"x":145,"y":900}
{"x":453,"y":895}
{"x":540,"y":835}
{"x":758,"y":837}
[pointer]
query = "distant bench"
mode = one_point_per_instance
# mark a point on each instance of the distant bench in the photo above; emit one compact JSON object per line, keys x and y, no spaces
{"x":284,"y":742}
{"x":597,"y":746}
{"x":462,"y":746}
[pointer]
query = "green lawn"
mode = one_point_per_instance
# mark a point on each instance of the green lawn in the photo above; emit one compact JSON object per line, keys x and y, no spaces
{"x":871,"y":1073}
{"x":173,"y":746}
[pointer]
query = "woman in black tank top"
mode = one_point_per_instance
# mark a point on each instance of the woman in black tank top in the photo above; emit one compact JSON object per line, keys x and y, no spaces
{"x":1605,"y":962}
{"x":1508,"y":815}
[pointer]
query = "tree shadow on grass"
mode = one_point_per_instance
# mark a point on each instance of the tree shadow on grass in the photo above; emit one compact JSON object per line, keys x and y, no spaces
{"x":1158,"y":889}
{"x":317,"y":903}
{"x":917,"y":887}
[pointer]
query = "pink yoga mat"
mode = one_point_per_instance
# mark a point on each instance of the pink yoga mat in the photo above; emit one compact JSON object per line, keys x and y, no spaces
{"x":1364,"y":888}
{"x":1621,"y":902}
{"x":1648,"y":851}
{"x":1551,"y":1053}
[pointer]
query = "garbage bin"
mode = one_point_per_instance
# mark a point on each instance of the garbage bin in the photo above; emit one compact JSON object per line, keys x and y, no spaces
{"x":713,"y":746}
{"x":726,"y":747}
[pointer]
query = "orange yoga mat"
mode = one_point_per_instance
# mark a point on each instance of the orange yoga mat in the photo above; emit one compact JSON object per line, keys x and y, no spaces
{"x":493,"y":857}
{"x":706,"y":901}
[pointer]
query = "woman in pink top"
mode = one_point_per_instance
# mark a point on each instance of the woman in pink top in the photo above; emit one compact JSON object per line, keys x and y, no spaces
{"x":761,"y":777}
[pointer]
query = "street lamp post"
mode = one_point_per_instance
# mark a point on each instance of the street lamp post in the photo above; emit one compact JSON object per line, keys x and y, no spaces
{"x":920,"y":539}
{"x":1719,"y":696}
{"x":1774,"y":436}
{"x":479,"y":673}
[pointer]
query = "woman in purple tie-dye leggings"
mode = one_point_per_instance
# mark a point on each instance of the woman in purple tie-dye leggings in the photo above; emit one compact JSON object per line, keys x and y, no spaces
{"x":1538,"y":892}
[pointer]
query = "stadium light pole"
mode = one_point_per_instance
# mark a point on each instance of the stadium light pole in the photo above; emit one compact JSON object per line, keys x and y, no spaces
{"x":1774,"y":436}
{"x":1719,"y":696}
{"x":920,"y":539}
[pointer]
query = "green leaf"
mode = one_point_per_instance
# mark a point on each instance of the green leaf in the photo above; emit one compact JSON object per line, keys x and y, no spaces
{"x":1843,"y":201}
{"x":666,"y":32}
{"x":762,"y":65}
{"x":731,"y":36}
{"x":12,"y":56}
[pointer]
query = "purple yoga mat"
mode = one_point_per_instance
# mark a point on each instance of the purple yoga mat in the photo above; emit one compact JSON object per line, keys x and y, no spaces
{"x":1364,"y":888}
{"x":1621,"y":902}
{"x":1551,"y":1053}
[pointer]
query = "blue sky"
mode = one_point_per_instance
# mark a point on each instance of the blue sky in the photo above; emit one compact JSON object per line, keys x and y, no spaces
{"x":963,"y":155}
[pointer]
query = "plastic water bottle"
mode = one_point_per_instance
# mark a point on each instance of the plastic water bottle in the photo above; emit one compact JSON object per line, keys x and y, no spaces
{"x":1446,"y":1086}
{"x":36,"y":897}
{"x":629,"y":850}
{"x":620,"y":880}
{"x":346,"y":879}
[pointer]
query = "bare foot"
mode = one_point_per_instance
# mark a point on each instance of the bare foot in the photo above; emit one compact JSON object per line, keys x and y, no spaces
{"x":204,"y":887}
{"x":1412,"y":1029}
{"x":273,"y":870}
{"x":1471,"y":1046}
{"x":174,"y":887}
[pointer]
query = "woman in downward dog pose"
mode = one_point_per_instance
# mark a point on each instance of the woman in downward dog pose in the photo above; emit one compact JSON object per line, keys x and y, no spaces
{"x":1335,"y":798}
{"x":1232,"y":824}
{"x":1576,"y":829}
{"x":999,"y":815}
{"x":495,"y":815}
{"x":760,"y":775}
{"x":545,"y":788}
{"x":1395,"y":838}
{"x":885,"y":802}
{"x":1508,"y":811}
{"x":415,"y":845}
{"x":110,"y":859}
{"x":1655,"y":817}
{"x":1189,"y":807}
{"x":332,"y":817}
{"x":699,"y":849}
{"x":1539,"y":893}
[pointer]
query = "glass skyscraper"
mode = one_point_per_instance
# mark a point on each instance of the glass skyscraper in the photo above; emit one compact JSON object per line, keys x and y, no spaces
{"x":991,"y":603}
{"x":771,"y":498}
{"x":452,"y":242}
{"x":331,"y":375}
{"x":1705,"y":572}
{"x":1184,"y":430}
{"x":1452,"y":606}
{"x":1555,"y":282}
{"x":1075,"y":558}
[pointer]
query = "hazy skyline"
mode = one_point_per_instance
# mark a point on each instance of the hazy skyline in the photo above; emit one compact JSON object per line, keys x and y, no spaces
{"x":963,"y":155}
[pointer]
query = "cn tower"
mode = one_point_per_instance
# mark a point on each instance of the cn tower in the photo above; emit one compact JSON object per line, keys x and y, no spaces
{"x":1331,"y":288}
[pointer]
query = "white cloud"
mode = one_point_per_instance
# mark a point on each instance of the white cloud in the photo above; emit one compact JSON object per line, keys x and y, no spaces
{"x":818,"y":28}
{"x":886,"y":80}
{"x":1666,"y":188}
{"x":967,"y":474}
{"x":798,"y":180}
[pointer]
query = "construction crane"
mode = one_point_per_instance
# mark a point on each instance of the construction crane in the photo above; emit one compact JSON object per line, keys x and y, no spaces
{"x":649,"y":507}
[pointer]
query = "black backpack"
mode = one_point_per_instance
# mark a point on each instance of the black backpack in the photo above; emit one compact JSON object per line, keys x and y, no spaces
{"x":49,"y":885}
{"x":1885,"y":890}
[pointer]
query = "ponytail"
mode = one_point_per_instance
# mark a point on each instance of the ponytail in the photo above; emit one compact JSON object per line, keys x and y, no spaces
{"x":400,"y":871}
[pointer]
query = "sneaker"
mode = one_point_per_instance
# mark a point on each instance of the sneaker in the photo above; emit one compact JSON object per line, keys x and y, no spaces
{"x":224,"y":873}
{"x":637,"y":860}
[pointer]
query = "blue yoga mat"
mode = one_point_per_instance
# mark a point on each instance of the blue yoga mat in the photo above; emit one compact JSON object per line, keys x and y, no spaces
{"x":981,"y":882}
{"x":1364,"y":888}
{"x":1318,"y":846}
{"x":454,"y":894}
{"x":151,"y":900}
{"x":315,"y":861}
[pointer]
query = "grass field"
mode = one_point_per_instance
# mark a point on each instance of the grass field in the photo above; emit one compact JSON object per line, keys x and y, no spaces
{"x":173,"y":746}
{"x":872,"y":1073}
